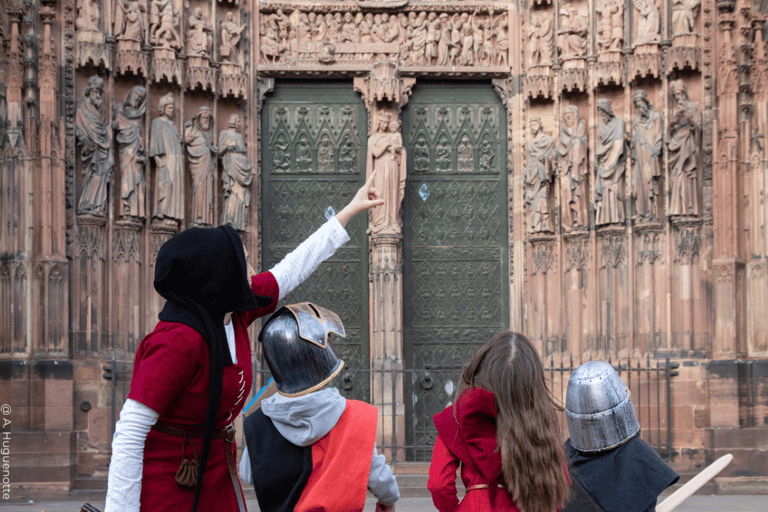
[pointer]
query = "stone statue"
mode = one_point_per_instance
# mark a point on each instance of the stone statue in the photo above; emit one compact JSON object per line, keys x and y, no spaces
{"x":502,"y":42}
{"x":465,"y":161}
{"x":538,"y":177}
{"x":646,"y":150}
{"x":165,"y":149}
{"x":649,"y":25}
{"x":684,"y":137}
{"x":129,"y":124}
{"x":199,"y":40}
{"x":89,"y":15}
{"x":94,"y":138}
{"x":611,"y":31}
{"x":164,"y":33}
{"x":684,"y":13}
{"x":572,"y":37}
{"x":130,"y":22}
{"x":573,"y":169}
{"x":386,"y":155}
{"x":201,"y":154}
{"x":546,"y":34}
{"x":230,"y":36}
{"x":236,"y":174}
{"x":610,"y":161}
{"x":534,"y":41}
{"x":443,"y":44}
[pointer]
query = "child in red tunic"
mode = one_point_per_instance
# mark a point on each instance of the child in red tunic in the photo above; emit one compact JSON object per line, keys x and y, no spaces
{"x":503,"y":433}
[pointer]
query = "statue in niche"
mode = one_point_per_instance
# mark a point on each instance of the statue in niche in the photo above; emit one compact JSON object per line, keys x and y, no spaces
{"x":611,"y":31}
{"x":538,"y":177}
{"x":433,"y":36}
{"x":201,"y":154}
{"x":236,"y":174}
{"x":684,"y":13}
{"x":165,"y":20}
{"x":325,"y":155}
{"x":165,"y":149}
{"x":89,"y":16}
{"x":646,"y":150}
{"x":684,"y":136}
{"x":347,"y":154}
{"x":572,"y":168}
{"x":418,"y":37}
{"x":487,"y":154}
{"x":467,"y":41}
{"x":270,"y":46}
{"x":534,"y":41}
{"x":199,"y":41}
{"x":128,"y":124}
{"x":649,"y":25}
{"x":455,"y":46}
{"x":610,"y":161}
{"x":443,"y":43}
{"x":502,"y":42}
{"x":130,"y":22}
{"x":465,"y":155}
{"x":94,"y":138}
{"x":386,"y":156}
{"x":572,"y":37}
{"x":230,"y":37}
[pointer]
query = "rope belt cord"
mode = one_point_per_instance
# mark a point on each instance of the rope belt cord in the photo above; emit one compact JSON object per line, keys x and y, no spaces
{"x":228,"y":435}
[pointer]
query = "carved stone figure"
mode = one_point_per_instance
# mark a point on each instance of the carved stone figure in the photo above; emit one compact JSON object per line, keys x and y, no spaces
{"x":236,"y":174}
{"x":649,"y":25}
{"x":684,"y":139}
{"x":443,"y":44}
{"x":465,"y":155}
{"x":646,"y":150}
{"x":130,"y":24}
{"x":201,"y":154}
{"x":387,"y":156}
{"x":573,"y":169}
{"x":540,"y":41}
{"x":572,"y":37}
{"x":684,"y":13}
{"x":538,"y":177}
{"x":611,"y":31}
{"x":166,"y":19}
{"x":89,"y":15}
{"x":199,"y":39}
{"x":610,"y":160}
{"x":165,"y":149}
{"x":128,"y":124}
{"x":230,"y":36}
{"x":94,"y":138}
{"x":534,"y":41}
{"x":502,"y":42}
{"x":270,"y":45}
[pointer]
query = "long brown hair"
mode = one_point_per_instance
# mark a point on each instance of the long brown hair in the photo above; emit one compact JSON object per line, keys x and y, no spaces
{"x":532,"y":457}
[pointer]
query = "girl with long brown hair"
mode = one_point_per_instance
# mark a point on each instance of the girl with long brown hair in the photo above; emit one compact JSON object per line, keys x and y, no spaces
{"x":503,"y":432}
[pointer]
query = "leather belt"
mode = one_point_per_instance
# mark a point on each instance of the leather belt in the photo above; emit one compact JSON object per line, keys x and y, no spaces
{"x":228,"y":435}
{"x":480,"y":486}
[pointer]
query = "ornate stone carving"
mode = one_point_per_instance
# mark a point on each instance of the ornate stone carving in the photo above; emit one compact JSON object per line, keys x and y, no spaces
{"x":538,"y":178}
{"x":610,"y":163}
{"x":572,"y":36}
{"x":540,"y":41}
{"x":230,"y":33}
{"x":573,"y":169}
{"x":542,"y":258}
{"x":687,"y":243}
{"x":646,"y":61}
{"x":90,"y":237}
{"x":236,"y":174}
{"x":199,"y":35}
{"x":128,"y":124}
{"x":90,"y":43}
{"x":577,"y":253}
{"x":613,"y":251}
{"x":165,"y":39}
{"x":130,"y":29}
{"x":684,"y":147}
{"x":574,"y":79}
{"x":94,"y":138}
{"x":610,"y":33}
{"x":387,"y":157}
{"x":685,"y":13}
{"x":538,"y":85}
{"x":610,"y":72}
{"x":649,"y":22}
{"x":125,"y":242}
{"x":646,"y":146}
{"x":165,"y":150}
{"x":201,"y":155}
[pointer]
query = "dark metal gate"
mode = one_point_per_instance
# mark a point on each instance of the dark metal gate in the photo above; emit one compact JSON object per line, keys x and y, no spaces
{"x":455,"y":256}
{"x":313,"y":161}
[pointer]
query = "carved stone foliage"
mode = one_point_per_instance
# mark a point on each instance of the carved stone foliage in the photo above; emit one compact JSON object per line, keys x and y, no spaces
{"x":313,"y":138}
{"x":577,"y":253}
{"x":453,"y":140}
{"x":413,"y":39}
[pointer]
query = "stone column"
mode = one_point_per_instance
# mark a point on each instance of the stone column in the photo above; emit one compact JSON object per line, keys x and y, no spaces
{"x":386,"y":335}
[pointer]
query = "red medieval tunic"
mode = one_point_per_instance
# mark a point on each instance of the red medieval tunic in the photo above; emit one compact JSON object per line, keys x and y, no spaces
{"x":171,"y":377}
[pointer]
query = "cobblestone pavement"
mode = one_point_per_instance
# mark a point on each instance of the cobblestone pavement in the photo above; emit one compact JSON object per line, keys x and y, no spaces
{"x":716,"y":503}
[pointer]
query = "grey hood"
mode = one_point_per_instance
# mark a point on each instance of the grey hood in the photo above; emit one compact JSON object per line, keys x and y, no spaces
{"x":305,"y":419}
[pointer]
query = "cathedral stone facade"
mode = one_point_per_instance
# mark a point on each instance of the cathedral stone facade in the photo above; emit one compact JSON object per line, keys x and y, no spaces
{"x":588,"y":172}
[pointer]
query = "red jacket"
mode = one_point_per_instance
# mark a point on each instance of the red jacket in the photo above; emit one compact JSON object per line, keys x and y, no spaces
{"x":467,"y":436}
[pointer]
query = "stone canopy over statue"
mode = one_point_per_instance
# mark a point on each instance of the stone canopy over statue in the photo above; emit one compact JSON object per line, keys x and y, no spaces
{"x":94,"y":138}
{"x":387,"y":156}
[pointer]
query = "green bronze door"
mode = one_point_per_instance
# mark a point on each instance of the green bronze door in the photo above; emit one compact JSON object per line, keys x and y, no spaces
{"x":313,"y":162}
{"x":455,"y":270}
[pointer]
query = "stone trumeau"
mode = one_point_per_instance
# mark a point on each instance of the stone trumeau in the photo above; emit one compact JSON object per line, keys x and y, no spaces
{"x":590,"y":173}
